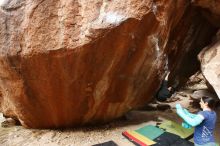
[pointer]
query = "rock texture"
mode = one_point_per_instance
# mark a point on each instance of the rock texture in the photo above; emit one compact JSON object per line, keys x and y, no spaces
{"x":210,"y":9}
{"x":196,"y":82}
{"x":187,"y":39}
{"x":212,"y":5}
{"x":209,"y":57}
{"x":67,"y":63}
{"x":210,"y":63}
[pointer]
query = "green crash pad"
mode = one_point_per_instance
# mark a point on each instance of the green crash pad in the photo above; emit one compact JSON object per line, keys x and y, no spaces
{"x":150,"y":131}
{"x":176,"y":128}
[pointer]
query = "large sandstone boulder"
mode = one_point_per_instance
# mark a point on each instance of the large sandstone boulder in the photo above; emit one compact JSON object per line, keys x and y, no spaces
{"x":66,"y":63}
{"x":210,"y":64}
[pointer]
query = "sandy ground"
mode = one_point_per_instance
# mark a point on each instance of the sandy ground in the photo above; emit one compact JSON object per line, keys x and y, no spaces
{"x":87,"y":136}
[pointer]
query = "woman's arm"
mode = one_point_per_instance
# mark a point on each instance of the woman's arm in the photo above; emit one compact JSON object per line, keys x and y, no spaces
{"x":193,"y":121}
{"x":188,"y":113}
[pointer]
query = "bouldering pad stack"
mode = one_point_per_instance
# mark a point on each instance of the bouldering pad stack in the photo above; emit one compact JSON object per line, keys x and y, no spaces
{"x":175,"y":128}
{"x":167,"y":133}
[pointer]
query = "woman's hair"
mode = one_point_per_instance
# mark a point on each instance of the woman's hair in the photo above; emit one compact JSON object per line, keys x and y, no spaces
{"x":211,"y":102}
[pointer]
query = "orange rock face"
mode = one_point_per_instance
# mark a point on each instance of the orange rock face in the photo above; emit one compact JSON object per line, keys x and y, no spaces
{"x":67,"y":63}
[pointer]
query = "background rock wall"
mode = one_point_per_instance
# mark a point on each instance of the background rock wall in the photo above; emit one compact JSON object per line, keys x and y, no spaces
{"x":209,"y":56}
{"x":188,"y":38}
{"x":210,"y":63}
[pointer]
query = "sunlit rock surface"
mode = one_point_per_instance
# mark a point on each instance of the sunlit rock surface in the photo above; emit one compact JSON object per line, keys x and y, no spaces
{"x":67,"y":63}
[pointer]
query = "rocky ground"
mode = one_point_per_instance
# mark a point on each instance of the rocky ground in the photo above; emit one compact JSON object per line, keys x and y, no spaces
{"x":11,"y":135}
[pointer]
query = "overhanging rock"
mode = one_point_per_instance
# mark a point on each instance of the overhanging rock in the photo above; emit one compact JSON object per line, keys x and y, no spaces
{"x":67,"y":63}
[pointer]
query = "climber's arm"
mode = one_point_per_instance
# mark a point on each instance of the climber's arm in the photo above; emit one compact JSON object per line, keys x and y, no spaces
{"x":196,"y":120}
{"x":188,"y":113}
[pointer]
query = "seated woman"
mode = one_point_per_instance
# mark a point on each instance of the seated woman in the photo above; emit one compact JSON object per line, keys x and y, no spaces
{"x":204,"y":122}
